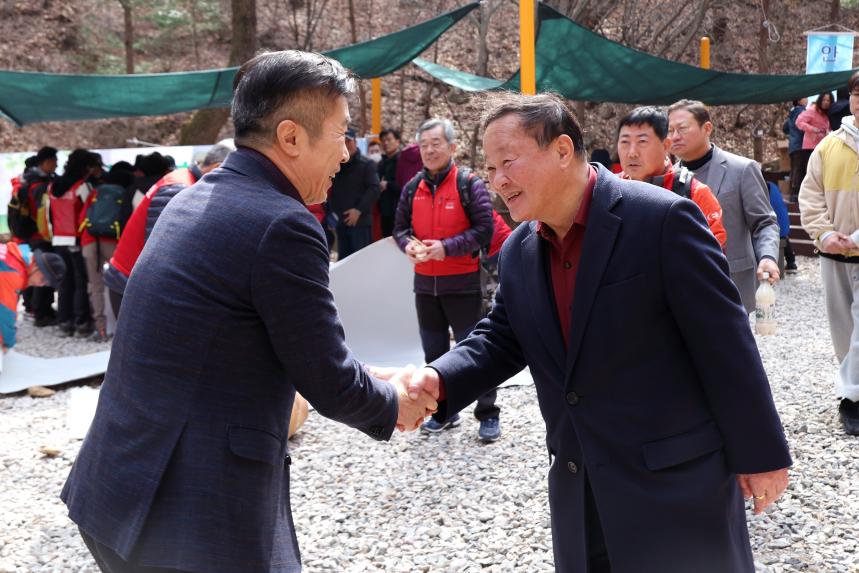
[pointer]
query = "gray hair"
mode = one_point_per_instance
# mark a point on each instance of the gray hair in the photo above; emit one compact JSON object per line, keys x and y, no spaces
{"x":447,"y":128}
{"x":218,"y":152}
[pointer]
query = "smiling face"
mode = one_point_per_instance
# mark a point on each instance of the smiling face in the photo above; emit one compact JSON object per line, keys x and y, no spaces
{"x":436,"y":150}
{"x":525,"y":176}
{"x":321,"y":156}
{"x":641,"y":152}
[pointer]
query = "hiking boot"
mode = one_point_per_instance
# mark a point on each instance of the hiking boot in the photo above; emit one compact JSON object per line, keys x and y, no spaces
{"x":67,"y":328}
{"x":44,"y":321}
{"x":433,"y":427}
{"x":848,"y":411}
{"x":791,"y":269}
{"x":85,"y":330}
{"x":490,"y":430}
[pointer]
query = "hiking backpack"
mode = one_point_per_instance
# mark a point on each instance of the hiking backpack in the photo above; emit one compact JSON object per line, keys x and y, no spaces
{"x":18,"y":218}
{"x":104,"y":216}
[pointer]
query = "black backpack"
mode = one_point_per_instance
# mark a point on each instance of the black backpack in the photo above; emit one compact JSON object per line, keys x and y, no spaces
{"x":104,"y":216}
{"x":464,"y":178}
{"x":21,"y":223}
{"x":682,"y":184}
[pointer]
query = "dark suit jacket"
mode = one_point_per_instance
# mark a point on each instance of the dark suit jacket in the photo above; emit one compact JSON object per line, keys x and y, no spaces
{"x":660,"y":397}
{"x":227,"y":313}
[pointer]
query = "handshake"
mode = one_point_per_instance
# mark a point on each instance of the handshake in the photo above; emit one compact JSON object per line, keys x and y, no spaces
{"x":418,"y":391}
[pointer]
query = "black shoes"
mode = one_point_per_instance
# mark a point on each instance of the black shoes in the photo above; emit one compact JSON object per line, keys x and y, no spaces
{"x":848,"y":412}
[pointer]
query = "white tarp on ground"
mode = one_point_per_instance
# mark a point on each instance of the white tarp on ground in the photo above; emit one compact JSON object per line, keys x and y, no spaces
{"x":374,"y":295}
{"x":373,"y":292}
{"x":20,"y":371}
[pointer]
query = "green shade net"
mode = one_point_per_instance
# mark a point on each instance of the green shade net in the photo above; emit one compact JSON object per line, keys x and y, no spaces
{"x":27,"y":97}
{"x":582,"y":65}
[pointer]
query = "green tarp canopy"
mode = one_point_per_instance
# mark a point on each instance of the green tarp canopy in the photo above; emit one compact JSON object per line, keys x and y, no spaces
{"x":27,"y":97}
{"x":581,"y":65}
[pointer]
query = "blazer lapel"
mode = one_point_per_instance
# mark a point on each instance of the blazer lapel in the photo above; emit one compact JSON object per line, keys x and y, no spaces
{"x":600,"y":234}
{"x":719,"y":169}
{"x":542,"y":297}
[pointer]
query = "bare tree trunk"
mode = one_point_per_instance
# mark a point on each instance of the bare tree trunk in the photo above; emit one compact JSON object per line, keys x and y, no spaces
{"x":834,"y":11}
{"x":205,"y":124}
{"x":192,"y":10}
{"x":402,"y":99}
{"x":362,"y":96}
{"x":129,"y":35}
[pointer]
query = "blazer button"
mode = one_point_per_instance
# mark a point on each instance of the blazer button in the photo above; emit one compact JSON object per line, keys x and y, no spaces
{"x":572,"y":398}
{"x":574,"y":469}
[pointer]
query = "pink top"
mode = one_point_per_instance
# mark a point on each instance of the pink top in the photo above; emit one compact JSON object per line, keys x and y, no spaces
{"x":815,"y":125}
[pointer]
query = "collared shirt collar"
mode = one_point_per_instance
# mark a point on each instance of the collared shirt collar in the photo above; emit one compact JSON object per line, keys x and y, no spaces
{"x":581,"y":218}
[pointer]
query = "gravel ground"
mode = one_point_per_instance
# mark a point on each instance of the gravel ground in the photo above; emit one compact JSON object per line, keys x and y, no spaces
{"x":362,"y":506}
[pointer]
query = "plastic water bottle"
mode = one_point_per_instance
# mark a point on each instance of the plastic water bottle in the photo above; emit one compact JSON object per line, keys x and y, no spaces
{"x":765,"y":322}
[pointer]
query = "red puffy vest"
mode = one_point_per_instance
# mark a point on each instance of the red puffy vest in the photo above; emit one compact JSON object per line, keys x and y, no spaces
{"x":65,"y":211}
{"x":439,"y":217}
{"x":134,"y":235}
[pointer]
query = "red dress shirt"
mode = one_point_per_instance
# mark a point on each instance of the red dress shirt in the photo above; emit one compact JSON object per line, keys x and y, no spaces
{"x":564,"y":257}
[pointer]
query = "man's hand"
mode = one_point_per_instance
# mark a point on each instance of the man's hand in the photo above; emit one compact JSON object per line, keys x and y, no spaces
{"x":424,"y":380}
{"x":765,"y":488}
{"x":412,"y":412}
{"x":435,"y":249}
{"x":767,"y":265}
{"x":383,"y":184}
{"x":837,"y":243}
{"x":416,"y":252}
{"x":351,"y":216}
{"x":381,"y":372}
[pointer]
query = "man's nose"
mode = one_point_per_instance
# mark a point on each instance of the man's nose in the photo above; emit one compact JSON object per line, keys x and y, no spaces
{"x":344,"y":157}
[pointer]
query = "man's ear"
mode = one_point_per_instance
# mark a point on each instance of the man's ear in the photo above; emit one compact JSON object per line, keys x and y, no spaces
{"x":288,"y":133}
{"x":708,"y":128}
{"x":565,"y":149}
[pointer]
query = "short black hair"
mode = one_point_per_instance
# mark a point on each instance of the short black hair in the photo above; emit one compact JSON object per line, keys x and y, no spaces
{"x":698,"y":110}
{"x":153,"y":165}
{"x":119,"y":175}
{"x":545,"y":117}
{"x":122,"y":166}
{"x":45,"y":154}
{"x":290,"y":84}
{"x":797,"y":102}
{"x":655,"y":117}
{"x":392,"y":131}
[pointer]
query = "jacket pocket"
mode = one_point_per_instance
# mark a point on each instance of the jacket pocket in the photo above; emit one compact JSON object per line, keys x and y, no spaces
{"x":256,"y":444}
{"x":675,"y":450}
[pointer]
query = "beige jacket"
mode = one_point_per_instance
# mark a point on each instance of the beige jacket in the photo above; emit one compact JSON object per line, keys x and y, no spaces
{"x":829,"y":195}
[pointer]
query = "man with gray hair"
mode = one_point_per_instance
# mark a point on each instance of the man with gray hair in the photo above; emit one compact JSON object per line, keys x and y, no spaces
{"x":443,"y":219}
{"x":143,"y":218}
{"x":227,"y":314}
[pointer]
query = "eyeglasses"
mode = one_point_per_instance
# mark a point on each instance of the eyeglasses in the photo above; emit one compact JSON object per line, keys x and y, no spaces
{"x":679,"y":130}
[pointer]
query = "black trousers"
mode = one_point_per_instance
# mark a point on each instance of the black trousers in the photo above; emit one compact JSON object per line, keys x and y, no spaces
{"x":437,"y":315}
{"x":789,"y":255}
{"x":72,"y":297}
{"x":42,"y":299}
{"x":798,"y":167}
{"x":109,"y":562}
{"x":387,"y":222}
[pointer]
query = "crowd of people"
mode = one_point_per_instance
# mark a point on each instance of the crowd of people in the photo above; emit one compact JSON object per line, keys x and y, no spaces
{"x":88,"y":224}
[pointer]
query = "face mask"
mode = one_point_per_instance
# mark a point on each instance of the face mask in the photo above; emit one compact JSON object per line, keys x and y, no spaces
{"x":375,"y":157}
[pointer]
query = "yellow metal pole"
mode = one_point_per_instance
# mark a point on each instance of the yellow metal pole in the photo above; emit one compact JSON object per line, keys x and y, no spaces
{"x":705,"y":53}
{"x":528,"y":63}
{"x":376,"y":123}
